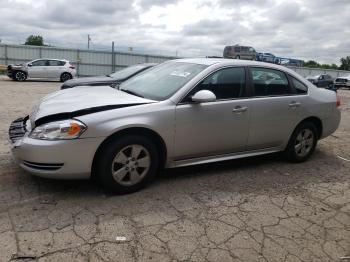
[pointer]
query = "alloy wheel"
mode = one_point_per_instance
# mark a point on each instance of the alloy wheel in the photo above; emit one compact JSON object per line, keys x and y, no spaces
{"x":131,"y":164}
{"x":304,"y":142}
{"x":20,"y":76}
{"x":65,"y":77}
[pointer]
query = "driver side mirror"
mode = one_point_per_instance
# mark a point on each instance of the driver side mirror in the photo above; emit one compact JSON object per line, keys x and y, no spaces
{"x":203,"y":96}
{"x":30,"y":65}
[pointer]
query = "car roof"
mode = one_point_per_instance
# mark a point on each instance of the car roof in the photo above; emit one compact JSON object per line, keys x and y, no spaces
{"x":236,"y":62}
{"x":45,"y":58}
{"x":226,"y":61}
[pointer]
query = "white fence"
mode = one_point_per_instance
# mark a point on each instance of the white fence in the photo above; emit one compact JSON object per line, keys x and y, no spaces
{"x":89,"y":62}
{"x":306,"y":71}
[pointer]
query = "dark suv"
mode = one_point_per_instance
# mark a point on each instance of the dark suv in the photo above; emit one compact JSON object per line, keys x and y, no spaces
{"x":323,"y":80}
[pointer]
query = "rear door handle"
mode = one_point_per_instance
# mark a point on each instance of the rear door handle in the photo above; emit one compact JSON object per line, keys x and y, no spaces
{"x":294,"y":104}
{"x":240,"y":109}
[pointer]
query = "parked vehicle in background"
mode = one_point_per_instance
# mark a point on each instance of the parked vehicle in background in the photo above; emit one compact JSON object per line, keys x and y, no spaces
{"x":323,"y":80}
{"x":240,"y":52}
{"x":111,"y":80}
{"x":42,"y":68}
{"x":168,"y":117}
{"x":342,"y":81}
{"x":268,"y":57}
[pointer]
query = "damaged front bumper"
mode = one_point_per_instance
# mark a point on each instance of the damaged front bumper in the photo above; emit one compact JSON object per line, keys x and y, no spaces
{"x":61,"y":159}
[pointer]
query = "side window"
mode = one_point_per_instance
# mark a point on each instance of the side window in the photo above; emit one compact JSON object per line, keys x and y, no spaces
{"x":269,"y":82}
{"x":39,"y":63}
{"x":237,"y":49}
{"x":226,"y":83}
{"x":299,"y":86}
{"x":53,"y":62}
{"x":56,"y":63}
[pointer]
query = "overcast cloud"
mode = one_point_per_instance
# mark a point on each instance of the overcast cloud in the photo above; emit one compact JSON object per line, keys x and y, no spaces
{"x":309,"y":29}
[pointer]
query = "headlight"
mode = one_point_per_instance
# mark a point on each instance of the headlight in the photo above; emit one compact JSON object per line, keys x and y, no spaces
{"x":60,"y":130}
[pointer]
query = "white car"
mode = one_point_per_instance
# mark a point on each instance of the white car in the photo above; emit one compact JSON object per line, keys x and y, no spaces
{"x":42,"y":68}
{"x":342,"y":81}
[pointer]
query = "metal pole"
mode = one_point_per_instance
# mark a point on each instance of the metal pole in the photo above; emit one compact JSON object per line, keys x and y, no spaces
{"x":40,"y":55}
{"x":6,"y":55}
{"x":78,"y":62}
{"x":113,"y":58}
{"x":88,"y":41}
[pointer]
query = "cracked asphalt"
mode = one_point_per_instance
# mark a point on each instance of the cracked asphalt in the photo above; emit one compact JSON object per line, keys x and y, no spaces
{"x":254,"y":209}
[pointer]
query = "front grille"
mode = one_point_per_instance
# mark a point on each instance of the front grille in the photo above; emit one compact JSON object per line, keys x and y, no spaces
{"x":17,"y":129}
{"x":43,"y":166}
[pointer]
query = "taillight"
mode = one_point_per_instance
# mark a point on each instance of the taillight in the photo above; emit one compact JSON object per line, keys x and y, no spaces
{"x":71,"y":66}
{"x":338,"y":101}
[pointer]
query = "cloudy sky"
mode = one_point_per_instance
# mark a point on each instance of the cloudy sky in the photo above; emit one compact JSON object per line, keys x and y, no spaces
{"x":305,"y":29}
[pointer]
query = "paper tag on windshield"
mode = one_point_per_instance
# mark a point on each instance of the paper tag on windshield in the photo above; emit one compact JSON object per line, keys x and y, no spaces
{"x":181,"y":74}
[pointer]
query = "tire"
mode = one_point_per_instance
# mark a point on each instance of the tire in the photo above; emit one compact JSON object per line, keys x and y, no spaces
{"x":19,"y":76}
{"x":302,"y":143}
{"x":120,"y":156}
{"x":65,"y":77}
{"x":238,"y":57}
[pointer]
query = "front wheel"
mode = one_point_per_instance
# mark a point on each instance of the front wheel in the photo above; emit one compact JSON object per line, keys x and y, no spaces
{"x":302,"y":143}
{"x":127,"y":164}
{"x":19,"y":76}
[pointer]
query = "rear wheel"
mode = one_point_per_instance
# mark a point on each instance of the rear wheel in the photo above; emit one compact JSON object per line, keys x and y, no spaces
{"x":302,"y":142}
{"x":19,"y":76}
{"x":65,"y":77}
{"x":127,"y":164}
{"x":238,"y":57}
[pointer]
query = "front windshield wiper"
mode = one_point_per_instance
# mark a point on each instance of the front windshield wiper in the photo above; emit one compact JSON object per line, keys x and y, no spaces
{"x":131,"y":92}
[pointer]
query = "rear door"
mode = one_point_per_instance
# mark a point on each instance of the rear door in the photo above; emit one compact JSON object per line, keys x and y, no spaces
{"x":55,"y":68}
{"x":276,"y":108}
{"x":218,"y":127}
{"x":38,"y":69}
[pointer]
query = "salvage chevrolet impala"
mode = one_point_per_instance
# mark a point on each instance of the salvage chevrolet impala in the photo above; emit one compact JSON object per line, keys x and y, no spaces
{"x":182,"y":112}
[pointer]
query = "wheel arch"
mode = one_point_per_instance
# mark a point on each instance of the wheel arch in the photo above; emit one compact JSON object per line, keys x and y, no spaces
{"x":143,"y":131}
{"x":19,"y":70}
{"x":316,"y":121}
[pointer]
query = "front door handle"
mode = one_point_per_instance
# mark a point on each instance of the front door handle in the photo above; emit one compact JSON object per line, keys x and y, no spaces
{"x":294,"y":104}
{"x":239,"y":109}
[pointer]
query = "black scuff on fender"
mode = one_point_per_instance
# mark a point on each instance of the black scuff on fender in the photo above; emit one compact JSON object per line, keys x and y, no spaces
{"x":86,"y":111}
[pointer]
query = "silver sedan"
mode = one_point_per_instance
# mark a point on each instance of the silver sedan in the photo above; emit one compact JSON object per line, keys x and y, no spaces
{"x":179,"y":113}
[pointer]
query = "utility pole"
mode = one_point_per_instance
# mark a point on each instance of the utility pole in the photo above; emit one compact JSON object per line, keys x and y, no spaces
{"x":113,"y":58}
{"x":89,"y":39}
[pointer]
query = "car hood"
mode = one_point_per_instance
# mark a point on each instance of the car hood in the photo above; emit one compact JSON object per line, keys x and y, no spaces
{"x":73,"y":102}
{"x":89,"y":81}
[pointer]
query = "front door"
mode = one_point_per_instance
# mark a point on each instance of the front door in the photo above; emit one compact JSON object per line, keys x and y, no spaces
{"x":218,"y":127}
{"x":38,"y":69}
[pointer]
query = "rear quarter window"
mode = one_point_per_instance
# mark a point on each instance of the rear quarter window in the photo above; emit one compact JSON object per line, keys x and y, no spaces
{"x":300,"y":87}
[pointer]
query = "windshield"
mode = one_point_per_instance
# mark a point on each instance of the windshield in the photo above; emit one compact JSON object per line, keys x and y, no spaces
{"x":129,"y":71}
{"x":161,"y":82}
